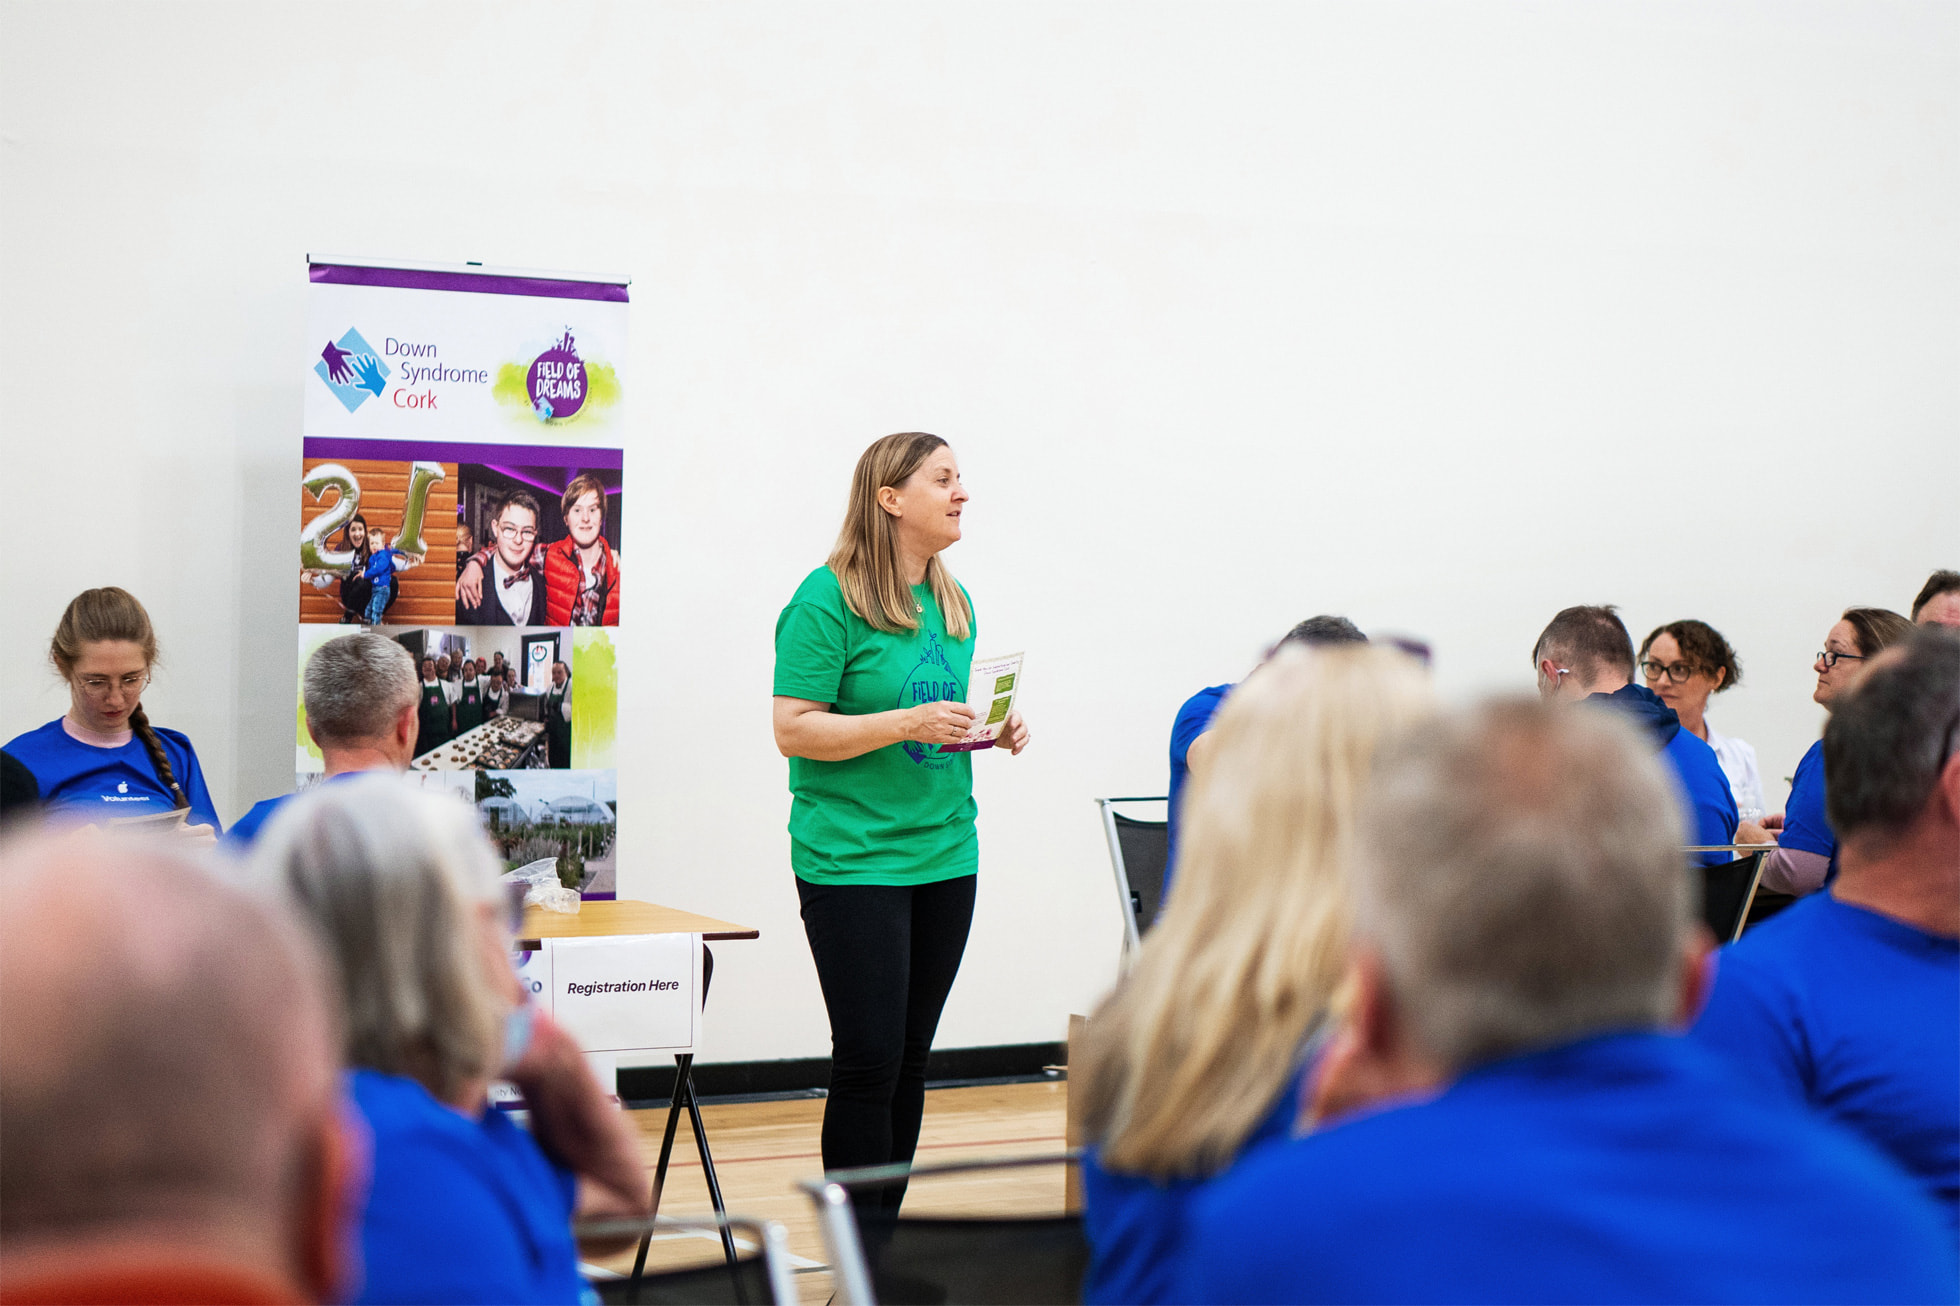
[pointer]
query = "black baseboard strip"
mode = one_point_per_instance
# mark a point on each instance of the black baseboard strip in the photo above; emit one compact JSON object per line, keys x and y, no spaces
{"x":646,"y":1086}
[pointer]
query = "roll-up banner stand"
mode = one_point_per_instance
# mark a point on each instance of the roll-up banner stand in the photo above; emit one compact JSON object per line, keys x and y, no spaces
{"x":460,"y":492}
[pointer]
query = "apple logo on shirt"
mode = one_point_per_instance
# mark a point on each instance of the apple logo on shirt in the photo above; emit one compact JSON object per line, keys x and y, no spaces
{"x":123,"y":787}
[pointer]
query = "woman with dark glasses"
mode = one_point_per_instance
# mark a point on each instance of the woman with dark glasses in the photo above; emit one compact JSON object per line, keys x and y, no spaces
{"x":1806,"y":847}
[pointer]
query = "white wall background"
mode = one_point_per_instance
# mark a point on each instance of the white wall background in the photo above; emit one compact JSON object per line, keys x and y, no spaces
{"x":1440,"y":315}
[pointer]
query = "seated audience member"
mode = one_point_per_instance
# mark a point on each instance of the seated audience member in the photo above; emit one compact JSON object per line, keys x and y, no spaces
{"x":360,"y":695}
{"x":404,"y":891}
{"x":1196,"y":1059}
{"x":1684,"y":662}
{"x":1806,"y":848}
{"x":1190,"y":730}
{"x":1524,"y":939}
{"x":170,"y":1126}
{"x":1586,"y":655}
{"x":1850,"y":1001}
{"x":102,"y":760}
{"x":1938,"y":603}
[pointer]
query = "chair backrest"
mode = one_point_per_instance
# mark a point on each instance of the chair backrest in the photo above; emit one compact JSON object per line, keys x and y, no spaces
{"x":1727,"y":892}
{"x":760,"y":1275}
{"x":986,"y":1259}
{"x":1138,"y":853}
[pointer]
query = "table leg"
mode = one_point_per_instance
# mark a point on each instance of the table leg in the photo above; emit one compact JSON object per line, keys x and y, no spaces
{"x":683,"y":1097}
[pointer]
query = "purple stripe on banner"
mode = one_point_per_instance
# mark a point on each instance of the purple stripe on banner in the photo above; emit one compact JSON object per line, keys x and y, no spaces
{"x":474,"y":283}
{"x":441,"y":451}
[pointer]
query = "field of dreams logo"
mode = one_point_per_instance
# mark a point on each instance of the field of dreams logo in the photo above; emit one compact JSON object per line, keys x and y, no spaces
{"x":352,"y":370}
{"x":559,"y":384}
{"x":932,"y":681}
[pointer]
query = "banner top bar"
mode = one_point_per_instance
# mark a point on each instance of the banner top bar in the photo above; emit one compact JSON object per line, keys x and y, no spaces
{"x":469,"y":269}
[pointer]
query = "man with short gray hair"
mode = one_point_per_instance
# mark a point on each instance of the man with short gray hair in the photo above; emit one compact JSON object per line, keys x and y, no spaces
{"x":1524,"y":941}
{"x":361,"y":693}
{"x":1849,"y":1001}
{"x":170,"y":1122}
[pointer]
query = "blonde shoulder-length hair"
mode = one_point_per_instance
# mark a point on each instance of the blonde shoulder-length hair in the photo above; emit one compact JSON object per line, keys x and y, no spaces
{"x":1183,"y":1061}
{"x":392,"y":880}
{"x":865,"y":558}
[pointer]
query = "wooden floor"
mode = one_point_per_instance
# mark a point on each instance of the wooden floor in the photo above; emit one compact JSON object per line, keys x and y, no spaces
{"x":762,"y":1148}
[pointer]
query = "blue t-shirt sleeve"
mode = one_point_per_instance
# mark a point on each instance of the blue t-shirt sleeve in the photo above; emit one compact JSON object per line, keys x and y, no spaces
{"x":1805,"y":826}
{"x":1751,"y":1023}
{"x":1193,"y":719}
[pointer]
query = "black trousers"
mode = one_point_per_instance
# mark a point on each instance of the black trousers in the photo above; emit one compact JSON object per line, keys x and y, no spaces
{"x":886,"y":957}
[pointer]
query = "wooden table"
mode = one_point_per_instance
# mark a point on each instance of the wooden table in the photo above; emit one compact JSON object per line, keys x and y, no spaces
{"x":601,"y":919}
{"x":624,"y":916}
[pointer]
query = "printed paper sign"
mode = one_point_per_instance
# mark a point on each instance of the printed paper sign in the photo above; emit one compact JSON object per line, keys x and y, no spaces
{"x":634,"y":993}
{"x":991,"y":689}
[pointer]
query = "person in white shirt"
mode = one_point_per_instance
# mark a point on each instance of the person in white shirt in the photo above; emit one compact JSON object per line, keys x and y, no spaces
{"x":1685,"y":662}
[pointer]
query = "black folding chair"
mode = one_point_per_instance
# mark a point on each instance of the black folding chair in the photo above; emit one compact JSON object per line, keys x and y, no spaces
{"x":1138,"y":853}
{"x":985,"y":1260}
{"x":759,"y":1274}
{"x":1728,"y":891}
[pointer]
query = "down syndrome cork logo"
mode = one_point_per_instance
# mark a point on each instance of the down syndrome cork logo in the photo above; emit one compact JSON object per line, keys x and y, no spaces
{"x":352,"y":370}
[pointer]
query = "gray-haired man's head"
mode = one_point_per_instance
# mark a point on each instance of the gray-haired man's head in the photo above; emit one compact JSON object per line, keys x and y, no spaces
{"x":356,"y":689}
{"x":168,"y":1059}
{"x":1521,"y":881}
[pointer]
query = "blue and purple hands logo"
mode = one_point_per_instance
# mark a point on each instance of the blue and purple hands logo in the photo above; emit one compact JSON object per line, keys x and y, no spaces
{"x":351,"y":370}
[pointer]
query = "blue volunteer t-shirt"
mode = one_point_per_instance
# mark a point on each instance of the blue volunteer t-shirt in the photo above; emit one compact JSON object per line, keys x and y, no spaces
{"x":1856,"y":1015}
{"x":1624,"y":1168}
{"x":104,"y":783}
{"x":1193,"y":719}
{"x":1805,"y":827}
{"x":460,"y":1210}
{"x":1707,"y":801}
{"x":1133,"y":1223}
{"x":246,"y":828}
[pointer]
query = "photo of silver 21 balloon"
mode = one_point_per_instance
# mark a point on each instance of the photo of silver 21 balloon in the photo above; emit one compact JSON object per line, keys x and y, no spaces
{"x":377,"y":541}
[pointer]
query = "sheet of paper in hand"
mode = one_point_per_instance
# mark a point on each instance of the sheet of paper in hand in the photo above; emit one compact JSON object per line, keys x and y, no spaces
{"x":991,"y":689}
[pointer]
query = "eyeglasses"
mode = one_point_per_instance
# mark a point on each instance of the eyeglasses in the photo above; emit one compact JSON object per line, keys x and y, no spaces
{"x":518,"y":534}
{"x":103,"y":686}
{"x":1677,"y":674}
{"x":1831,"y":657}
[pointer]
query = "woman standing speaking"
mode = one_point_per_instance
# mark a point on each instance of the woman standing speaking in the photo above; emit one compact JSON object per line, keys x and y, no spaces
{"x":872,"y":659}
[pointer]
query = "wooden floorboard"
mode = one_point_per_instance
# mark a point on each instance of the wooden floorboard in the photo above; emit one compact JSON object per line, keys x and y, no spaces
{"x":762,"y":1148}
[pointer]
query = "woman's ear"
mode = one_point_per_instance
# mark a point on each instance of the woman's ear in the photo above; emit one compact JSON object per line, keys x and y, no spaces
{"x":1721,"y":676}
{"x":888,"y":500}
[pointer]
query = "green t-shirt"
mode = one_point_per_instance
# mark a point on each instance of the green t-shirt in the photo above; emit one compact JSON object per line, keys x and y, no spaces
{"x":902,"y":814}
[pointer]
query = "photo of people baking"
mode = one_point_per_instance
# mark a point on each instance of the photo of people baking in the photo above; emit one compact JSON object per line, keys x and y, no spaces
{"x":491,"y":698}
{"x":375,"y":541}
{"x":547,"y":545}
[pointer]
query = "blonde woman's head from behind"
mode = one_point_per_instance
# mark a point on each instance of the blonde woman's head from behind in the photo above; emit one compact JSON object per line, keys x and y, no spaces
{"x":1245,"y":961}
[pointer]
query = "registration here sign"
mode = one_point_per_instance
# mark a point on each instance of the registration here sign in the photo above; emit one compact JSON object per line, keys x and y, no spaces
{"x":634,"y":993}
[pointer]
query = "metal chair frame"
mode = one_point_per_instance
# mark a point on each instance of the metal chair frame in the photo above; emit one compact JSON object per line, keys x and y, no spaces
{"x":1132,"y":935}
{"x":850,"y":1272}
{"x":1756,"y":853}
{"x":769,"y":1235}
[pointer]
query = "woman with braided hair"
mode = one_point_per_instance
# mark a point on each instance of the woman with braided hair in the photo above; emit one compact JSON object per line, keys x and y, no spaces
{"x":104,"y":760}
